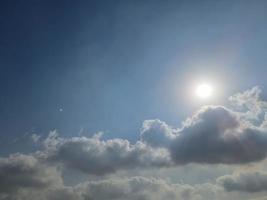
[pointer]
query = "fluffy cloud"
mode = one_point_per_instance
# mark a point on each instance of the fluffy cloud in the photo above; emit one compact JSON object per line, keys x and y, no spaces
{"x":251,"y":106}
{"x":217,"y":135}
{"x":245,"y":182}
{"x":140,"y":188}
{"x":213,"y":135}
{"x":135,"y":188}
{"x":157,"y":133}
{"x":20,"y":171}
{"x":95,"y":156}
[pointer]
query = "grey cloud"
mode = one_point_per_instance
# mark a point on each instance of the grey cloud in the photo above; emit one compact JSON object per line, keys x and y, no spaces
{"x":217,"y":135}
{"x":132,"y":189}
{"x":57,"y":193}
{"x":246,"y":182}
{"x":25,"y":171}
{"x":95,"y":156}
{"x":261,"y":198}
{"x":135,"y":188}
{"x":157,"y":133}
{"x":141,"y":188}
{"x":214,"y":135}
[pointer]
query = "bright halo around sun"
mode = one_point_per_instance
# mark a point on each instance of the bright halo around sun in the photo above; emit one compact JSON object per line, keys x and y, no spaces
{"x":204,"y":91}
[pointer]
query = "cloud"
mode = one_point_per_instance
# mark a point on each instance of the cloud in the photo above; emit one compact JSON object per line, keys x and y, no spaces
{"x":134,"y":188}
{"x":140,"y":188}
{"x":252,"y":108}
{"x":35,"y":138}
{"x":96,"y":156}
{"x":246,"y":182}
{"x":157,"y":133}
{"x":25,"y":171}
{"x":216,"y":134}
{"x":213,"y":135}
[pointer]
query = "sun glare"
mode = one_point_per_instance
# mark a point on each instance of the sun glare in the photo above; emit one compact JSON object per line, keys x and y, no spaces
{"x":204,"y":91}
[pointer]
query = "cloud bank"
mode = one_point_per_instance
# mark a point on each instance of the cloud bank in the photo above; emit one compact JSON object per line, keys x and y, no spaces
{"x":95,"y":156}
{"x":213,"y":135}
{"x":135,"y":188}
{"x":255,"y":181}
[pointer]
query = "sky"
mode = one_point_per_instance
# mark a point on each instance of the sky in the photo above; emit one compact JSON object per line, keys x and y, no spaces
{"x":97,"y":100}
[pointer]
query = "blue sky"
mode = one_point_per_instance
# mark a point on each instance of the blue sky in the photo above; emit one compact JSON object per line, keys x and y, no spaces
{"x":82,"y":67}
{"x":112,"y":64}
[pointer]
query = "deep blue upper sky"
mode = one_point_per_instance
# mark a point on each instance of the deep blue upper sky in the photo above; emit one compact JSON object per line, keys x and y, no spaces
{"x":112,"y":64}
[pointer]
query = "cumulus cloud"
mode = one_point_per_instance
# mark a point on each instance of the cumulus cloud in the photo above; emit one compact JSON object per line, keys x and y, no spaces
{"x":217,"y":135}
{"x":25,"y":171}
{"x":135,"y":188}
{"x":252,"y":108}
{"x":96,"y":156}
{"x":251,"y":182}
{"x":140,"y":188}
{"x":157,"y":133}
{"x":213,"y":135}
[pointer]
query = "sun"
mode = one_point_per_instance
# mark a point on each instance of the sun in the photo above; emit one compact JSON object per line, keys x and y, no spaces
{"x":204,"y":91}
